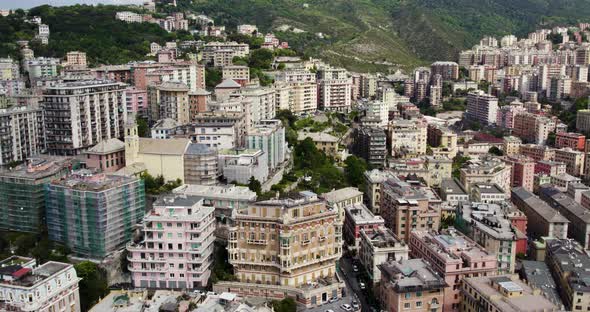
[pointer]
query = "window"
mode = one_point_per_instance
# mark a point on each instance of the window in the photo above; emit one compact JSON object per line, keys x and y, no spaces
{"x":418,"y":304}
{"x":406,"y":305}
{"x":408,"y":295}
{"x":418,"y":294}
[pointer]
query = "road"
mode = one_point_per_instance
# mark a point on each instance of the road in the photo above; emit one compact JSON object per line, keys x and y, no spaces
{"x":352,"y":283}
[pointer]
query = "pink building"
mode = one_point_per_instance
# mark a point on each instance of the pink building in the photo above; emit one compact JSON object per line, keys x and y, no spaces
{"x":358,"y":217}
{"x":137,"y":101}
{"x":505,"y":117}
{"x":106,"y":156}
{"x":454,"y":256}
{"x":177,"y":250}
{"x":523,"y":171}
{"x":549,"y":167}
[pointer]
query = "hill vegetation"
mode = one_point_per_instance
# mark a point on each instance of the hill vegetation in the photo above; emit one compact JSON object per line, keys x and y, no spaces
{"x":361,"y":35}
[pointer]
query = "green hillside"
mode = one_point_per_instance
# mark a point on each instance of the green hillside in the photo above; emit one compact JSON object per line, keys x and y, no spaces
{"x":358,"y":34}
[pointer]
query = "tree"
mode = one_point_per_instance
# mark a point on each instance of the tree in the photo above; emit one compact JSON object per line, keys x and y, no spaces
{"x":285,"y":305}
{"x":212,"y":77}
{"x":458,"y":163}
{"x":255,"y":185}
{"x":494,"y":150}
{"x":551,"y":139}
{"x":261,"y":58}
{"x":143,"y":130}
{"x":354,"y":170}
{"x":93,"y":284}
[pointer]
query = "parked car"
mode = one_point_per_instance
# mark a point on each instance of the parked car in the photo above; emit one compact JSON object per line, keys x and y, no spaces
{"x":355,"y":305}
{"x":355,"y":268}
{"x":346,"y":307}
{"x":333,"y":299}
{"x":362,"y":285}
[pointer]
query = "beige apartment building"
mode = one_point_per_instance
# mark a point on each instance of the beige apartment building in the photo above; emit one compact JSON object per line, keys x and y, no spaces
{"x":537,"y":152}
{"x":169,"y":100}
{"x":286,"y":248}
{"x":573,"y":159}
{"x":487,"y":170}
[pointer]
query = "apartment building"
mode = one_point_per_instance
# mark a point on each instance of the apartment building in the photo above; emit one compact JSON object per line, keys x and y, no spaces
{"x":573,"y":159}
{"x":129,"y":17}
{"x":238,"y":164}
{"x":486,"y":170}
{"x":224,"y":198}
{"x":335,"y":94}
{"x":76,"y":59}
{"x":324,"y":142}
{"x":442,"y":140}
{"x":304,"y":97}
{"x":9,"y":69}
{"x":489,"y":226}
{"x":22,"y":192}
{"x":42,"y":67}
{"x":94,"y":213}
{"x":487,"y":193}
{"x":107,"y":156}
{"x":504,"y":293}
{"x":481,"y":107}
{"x":432,"y":169}
{"x":523,"y":171}
{"x":169,"y":100}
{"x":379,"y":246}
{"x":200,"y":165}
{"x":550,"y":167}
{"x":407,"y":138}
{"x":359,"y":218}
{"x":453,"y":192}
{"x":198,"y":101}
{"x":23,"y":133}
{"x":269,"y":136}
{"x":583,"y":120}
{"x":407,"y":206}
{"x":238,"y":73}
{"x":342,"y":198}
{"x":454,"y":256}
{"x":537,"y":152}
{"x":410,"y":285}
{"x":512,"y":145}
{"x":71,"y":122}
{"x":567,"y":262}
{"x":286,"y":248}
{"x":374,"y":179}
{"x":576,"y":141}
{"x":370,"y":144}
{"x":262,"y":103}
{"x":212,"y":50}
{"x":543,"y":220}
{"x":137,"y":102}
{"x":177,"y":246}
{"x":579,"y":226}
{"x":26,"y":286}
{"x":532,"y":128}
{"x":447,"y":70}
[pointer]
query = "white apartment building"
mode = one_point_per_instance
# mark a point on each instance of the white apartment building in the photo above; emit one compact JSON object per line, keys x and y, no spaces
{"x":335,"y":94}
{"x":239,"y":73}
{"x":23,"y":133}
{"x":129,"y":17}
{"x":262,"y":103}
{"x":408,"y":138}
{"x":482,"y":107}
{"x":380,"y":246}
{"x":67,"y":104}
{"x":241,"y":164}
{"x":269,"y":136}
{"x":296,"y":75}
{"x":26,"y":287}
{"x":304,"y":97}
{"x":8,"y":69}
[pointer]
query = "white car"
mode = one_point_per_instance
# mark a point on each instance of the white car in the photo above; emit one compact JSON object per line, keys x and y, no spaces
{"x":329,"y":310}
{"x":362,"y":285}
{"x":346,"y":307}
{"x":333,"y":299}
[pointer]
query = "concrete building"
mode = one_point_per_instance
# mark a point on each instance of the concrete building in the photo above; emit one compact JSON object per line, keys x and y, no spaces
{"x":562,"y":181}
{"x":359,"y":218}
{"x":379,"y":246}
{"x":407,"y":138}
{"x":9,"y":69}
{"x":374,"y":179}
{"x":335,"y":94}
{"x":489,"y":226}
{"x":442,"y":140}
{"x":217,"y":129}
{"x":200,"y":165}
{"x":198,"y":101}
{"x":538,"y":276}
{"x":236,"y":49}
{"x":429,"y":168}
{"x":23,"y":134}
{"x":169,"y":100}
{"x":262,"y":105}
{"x":447,"y":70}
{"x":237,"y":73}
{"x":481,"y":107}
{"x":487,"y":193}
{"x":575,"y":141}
{"x":94,"y":214}
{"x":523,"y":170}
{"x":22,"y":192}
{"x":504,"y":293}
{"x":453,"y":192}
{"x":550,"y":167}
{"x":106,"y":156}
{"x":67,"y":105}
{"x":177,"y":247}
{"x":567,"y":262}
{"x":454,"y":256}
{"x":532,"y":128}
{"x":583,"y":120}
{"x":512,"y":145}
{"x":225,"y":198}
{"x":342,"y":198}
{"x":487,"y":170}
{"x":573,"y":159}
{"x":137,"y":102}
{"x":27,"y":287}
{"x":304,"y":97}
{"x":407,"y":206}
{"x":537,"y":152}
{"x":370,"y":144}
{"x":42,"y":67}
{"x":286,"y":248}
{"x":269,"y":136}
{"x":241,"y":164}
{"x":76,"y":59}
{"x":543,"y":220}
{"x":410,"y":285}
{"x":579,"y":226}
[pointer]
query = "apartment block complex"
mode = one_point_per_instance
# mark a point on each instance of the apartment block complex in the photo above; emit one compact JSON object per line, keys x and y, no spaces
{"x":268,"y":135}
{"x":481,"y":107}
{"x":543,"y":220}
{"x":380,"y":246}
{"x":82,"y":113}
{"x":286,"y":248}
{"x":487,"y":170}
{"x":359,"y":218}
{"x":94,"y":214}
{"x":177,"y":247}
{"x":169,"y":100}
{"x":22,"y":133}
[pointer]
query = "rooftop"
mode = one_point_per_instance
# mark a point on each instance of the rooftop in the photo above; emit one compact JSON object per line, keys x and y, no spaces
{"x":163,"y":147}
{"x":488,"y":188}
{"x":39,"y":167}
{"x":107,"y":147}
{"x":411,"y":275}
{"x":453,"y":245}
{"x":228,"y":84}
{"x":86,"y":180}
{"x":23,"y":275}
{"x":452,"y":187}
{"x":538,"y":205}
{"x":489,"y":218}
{"x":359,"y":214}
{"x":199,"y":149}
{"x":317,"y":136}
{"x":166,"y":123}
{"x":570,"y":257}
{"x":218,"y":192}
{"x":529,"y":301}
{"x":383,"y":238}
{"x":538,"y":275}
{"x":342,"y":194}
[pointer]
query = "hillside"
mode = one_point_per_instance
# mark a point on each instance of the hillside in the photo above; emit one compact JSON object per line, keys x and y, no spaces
{"x":359,"y":34}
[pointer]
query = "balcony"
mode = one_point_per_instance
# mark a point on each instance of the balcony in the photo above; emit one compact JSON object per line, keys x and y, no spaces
{"x":257,"y":241}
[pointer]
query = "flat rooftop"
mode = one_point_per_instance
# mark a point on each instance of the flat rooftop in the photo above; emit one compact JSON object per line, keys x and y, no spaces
{"x":17,"y":275}
{"x":217,"y":191}
{"x":360,"y":214}
{"x":86,"y":180}
{"x":538,"y":275}
{"x":38,"y":168}
{"x":341,"y":194}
